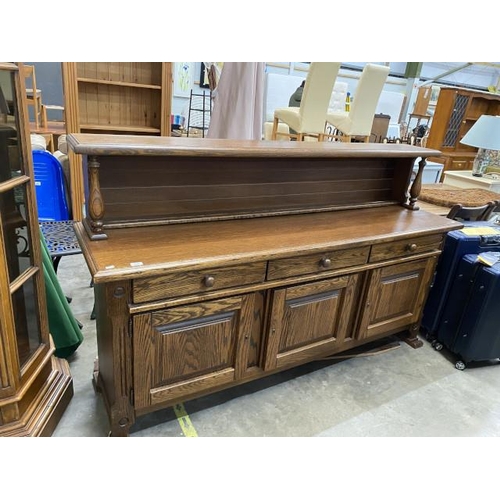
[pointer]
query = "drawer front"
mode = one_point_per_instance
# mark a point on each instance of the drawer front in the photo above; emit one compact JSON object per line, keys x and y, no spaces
{"x":406,"y":247}
{"x":190,"y":282}
{"x":462,"y":164}
{"x":314,"y":263}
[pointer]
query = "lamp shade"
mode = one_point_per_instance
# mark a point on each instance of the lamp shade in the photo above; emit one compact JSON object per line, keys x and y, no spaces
{"x":485,"y":133}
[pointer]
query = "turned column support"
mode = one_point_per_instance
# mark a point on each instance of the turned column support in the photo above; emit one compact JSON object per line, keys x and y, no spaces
{"x":416,"y":186}
{"x":94,"y":221}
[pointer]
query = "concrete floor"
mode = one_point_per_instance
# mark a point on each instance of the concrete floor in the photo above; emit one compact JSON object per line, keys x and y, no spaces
{"x":401,"y":392}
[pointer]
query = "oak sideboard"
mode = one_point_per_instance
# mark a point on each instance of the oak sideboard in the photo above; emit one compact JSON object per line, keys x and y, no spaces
{"x":218,"y":262}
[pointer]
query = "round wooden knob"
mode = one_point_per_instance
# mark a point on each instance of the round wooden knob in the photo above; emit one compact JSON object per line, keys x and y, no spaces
{"x":412,"y":247}
{"x":209,"y":281}
{"x":325,"y":262}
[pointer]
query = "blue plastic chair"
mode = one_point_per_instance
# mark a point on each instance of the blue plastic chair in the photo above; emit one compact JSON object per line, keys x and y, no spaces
{"x":49,"y":187}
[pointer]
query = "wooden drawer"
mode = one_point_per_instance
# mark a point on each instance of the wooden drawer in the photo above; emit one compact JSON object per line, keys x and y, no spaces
{"x":460,"y":164}
{"x":314,"y":263}
{"x":191,"y":282}
{"x":406,"y":247}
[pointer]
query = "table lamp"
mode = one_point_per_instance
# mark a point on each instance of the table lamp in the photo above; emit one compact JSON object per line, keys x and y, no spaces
{"x":485,"y":135}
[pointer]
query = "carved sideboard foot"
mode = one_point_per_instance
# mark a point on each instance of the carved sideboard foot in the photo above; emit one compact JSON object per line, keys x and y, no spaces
{"x":411,"y":338}
{"x":120,"y":428}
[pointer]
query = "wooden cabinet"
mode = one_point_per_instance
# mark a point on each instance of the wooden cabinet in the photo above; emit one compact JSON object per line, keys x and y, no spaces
{"x":35,"y":387}
{"x":248,"y":258}
{"x":309,"y":319}
{"x":114,"y":97}
{"x":456,"y":112}
{"x":395,"y":296}
{"x":183,"y":350}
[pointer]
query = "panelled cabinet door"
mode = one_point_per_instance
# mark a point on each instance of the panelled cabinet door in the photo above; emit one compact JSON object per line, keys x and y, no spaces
{"x":309,"y":319}
{"x":185,"y":350}
{"x":395,"y":296}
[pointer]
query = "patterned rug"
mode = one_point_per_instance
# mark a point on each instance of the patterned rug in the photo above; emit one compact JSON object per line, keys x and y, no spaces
{"x":449,"y":196}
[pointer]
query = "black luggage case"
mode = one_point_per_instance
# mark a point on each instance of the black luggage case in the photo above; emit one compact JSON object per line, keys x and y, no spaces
{"x":470,"y":326}
{"x":456,"y":245}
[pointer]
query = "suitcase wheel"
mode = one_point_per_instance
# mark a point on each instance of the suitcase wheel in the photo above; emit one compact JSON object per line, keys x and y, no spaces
{"x":437,"y":345}
{"x":460,"y":365}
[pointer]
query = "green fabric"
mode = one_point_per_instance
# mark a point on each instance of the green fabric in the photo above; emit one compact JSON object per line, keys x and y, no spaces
{"x":63,"y":326}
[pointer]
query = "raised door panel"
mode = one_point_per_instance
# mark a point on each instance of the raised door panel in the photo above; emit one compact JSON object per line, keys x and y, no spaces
{"x":185,"y":350}
{"x":307,"y":320}
{"x":395,"y":297}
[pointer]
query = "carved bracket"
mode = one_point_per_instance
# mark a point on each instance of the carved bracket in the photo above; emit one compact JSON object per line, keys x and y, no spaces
{"x":416,"y":186}
{"x":94,"y":221}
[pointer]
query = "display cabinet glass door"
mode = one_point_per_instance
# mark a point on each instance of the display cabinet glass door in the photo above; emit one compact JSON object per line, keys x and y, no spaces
{"x":22,"y":276}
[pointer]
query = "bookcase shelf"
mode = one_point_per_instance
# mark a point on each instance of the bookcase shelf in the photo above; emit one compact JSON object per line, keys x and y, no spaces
{"x":119,"y":84}
{"x":114,"y":97}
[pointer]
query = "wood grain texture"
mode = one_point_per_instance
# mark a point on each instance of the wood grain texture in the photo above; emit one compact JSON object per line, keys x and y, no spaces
{"x":253,"y":334}
{"x":309,"y":317}
{"x":190,"y":188}
{"x":183,"y":350}
{"x":314,"y":263}
{"x":408,"y":246}
{"x":183,"y":180}
{"x":173,"y":189}
{"x":34,"y":387}
{"x":98,"y":144}
{"x":190,"y":282}
{"x":130,"y":97}
{"x":163,"y":249}
{"x":393,"y":297}
{"x":72,"y":121}
{"x":114,"y":353}
{"x":456,"y":112}
{"x":313,"y":254}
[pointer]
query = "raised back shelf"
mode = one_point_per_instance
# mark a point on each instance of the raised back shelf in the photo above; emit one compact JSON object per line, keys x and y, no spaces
{"x":187,"y":180}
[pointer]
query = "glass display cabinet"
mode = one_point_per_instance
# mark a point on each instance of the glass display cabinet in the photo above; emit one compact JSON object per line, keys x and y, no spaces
{"x":35,"y":386}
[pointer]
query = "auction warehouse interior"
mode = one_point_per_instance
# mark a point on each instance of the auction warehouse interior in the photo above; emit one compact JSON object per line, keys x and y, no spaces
{"x":250,"y":249}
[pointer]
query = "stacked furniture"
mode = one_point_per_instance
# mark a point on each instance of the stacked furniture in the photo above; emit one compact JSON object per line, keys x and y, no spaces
{"x":218,"y":262}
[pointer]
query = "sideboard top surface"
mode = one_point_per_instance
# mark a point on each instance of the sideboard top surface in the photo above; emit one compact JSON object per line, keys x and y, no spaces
{"x":151,"y":250}
{"x":105,"y":144}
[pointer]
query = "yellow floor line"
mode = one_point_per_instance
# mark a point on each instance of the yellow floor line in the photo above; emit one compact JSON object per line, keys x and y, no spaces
{"x":184,"y":421}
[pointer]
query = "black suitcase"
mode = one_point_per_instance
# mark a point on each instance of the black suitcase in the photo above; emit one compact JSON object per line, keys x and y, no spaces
{"x":456,"y":303}
{"x":470,"y":325}
{"x":456,"y":245}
